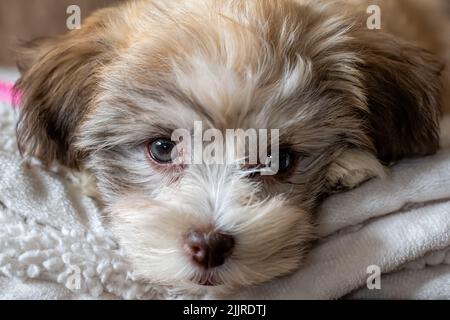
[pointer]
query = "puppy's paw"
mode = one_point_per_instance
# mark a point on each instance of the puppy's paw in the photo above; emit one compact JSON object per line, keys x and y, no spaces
{"x":353,"y":168}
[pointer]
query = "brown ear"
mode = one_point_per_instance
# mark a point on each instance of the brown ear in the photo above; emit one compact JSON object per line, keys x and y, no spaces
{"x":59,"y":78}
{"x":404,"y":95}
{"x":28,"y":51}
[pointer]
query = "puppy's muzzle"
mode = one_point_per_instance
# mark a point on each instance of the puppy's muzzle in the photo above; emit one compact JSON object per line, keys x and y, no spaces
{"x":208,"y":249}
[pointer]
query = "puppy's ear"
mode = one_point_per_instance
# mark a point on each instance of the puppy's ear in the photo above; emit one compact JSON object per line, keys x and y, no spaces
{"x":403,"y":88}
{"x":59,"y":78}
{"x":29,"y":51}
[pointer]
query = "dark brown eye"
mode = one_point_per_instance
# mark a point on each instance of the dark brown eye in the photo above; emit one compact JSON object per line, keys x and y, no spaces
{"x":285,"y":161}
{"x":162,"y":150}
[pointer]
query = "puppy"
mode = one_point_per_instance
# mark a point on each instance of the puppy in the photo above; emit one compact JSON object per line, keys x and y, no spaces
{"x":347,"y":102}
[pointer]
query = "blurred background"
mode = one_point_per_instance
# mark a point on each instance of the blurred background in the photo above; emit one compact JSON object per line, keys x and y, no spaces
{"x":24,"y":20}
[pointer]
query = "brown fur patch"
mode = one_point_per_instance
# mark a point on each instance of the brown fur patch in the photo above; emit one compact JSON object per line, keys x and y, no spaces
{"x":58,"y":83}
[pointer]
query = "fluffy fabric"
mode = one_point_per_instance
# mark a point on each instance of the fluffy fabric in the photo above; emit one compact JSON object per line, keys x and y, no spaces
{"x":49,"y":230}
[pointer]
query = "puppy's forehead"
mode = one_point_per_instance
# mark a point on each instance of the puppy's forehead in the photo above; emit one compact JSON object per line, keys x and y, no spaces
{"x":248,"y":64}
{"x":233,"y":98}
{"x":235,"y":70}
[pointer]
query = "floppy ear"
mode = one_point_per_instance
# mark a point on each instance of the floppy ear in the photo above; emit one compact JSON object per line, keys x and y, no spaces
{"x":59,"y":78}
{"x":404,"y":95}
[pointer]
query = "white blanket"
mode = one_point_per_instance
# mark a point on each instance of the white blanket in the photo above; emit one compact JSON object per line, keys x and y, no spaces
{"x":54,"y":244}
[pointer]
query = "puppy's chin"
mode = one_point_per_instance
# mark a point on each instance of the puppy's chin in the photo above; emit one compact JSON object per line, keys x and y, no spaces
{"x":271,"y":240}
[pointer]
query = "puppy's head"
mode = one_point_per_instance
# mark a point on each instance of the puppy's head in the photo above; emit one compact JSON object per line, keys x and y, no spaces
{"x":109,"y":96}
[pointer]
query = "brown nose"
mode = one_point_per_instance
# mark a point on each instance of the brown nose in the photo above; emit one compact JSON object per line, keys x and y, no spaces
{"x":209,"y":249}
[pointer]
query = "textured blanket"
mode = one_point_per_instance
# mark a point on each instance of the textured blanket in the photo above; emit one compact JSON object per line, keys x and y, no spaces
{"x":55,"y":245}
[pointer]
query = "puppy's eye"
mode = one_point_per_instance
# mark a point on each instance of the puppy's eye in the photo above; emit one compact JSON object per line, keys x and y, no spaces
{"x":285,"y":161}
{"x":161,"y":150}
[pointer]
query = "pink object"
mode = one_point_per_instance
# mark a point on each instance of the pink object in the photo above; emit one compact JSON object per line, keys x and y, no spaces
{"x":7,"y":93}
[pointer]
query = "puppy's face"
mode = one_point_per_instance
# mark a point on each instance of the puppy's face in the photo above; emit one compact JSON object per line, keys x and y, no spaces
{"x":108,"y":98}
